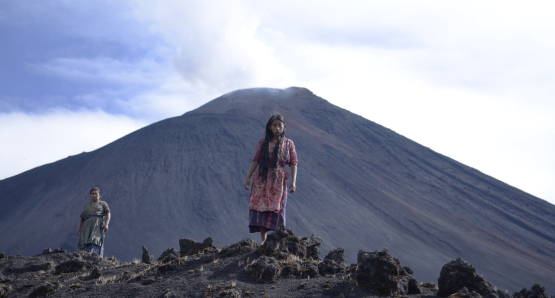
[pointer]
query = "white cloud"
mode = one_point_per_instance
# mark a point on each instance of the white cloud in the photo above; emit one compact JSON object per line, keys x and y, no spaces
{"x":102,"y":70}
{"x":216,"y":44}
{"x":471,"y":81}
{"x":34,"y":140}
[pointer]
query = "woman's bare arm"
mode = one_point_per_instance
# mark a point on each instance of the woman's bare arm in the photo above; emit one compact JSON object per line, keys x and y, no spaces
{"x":79,"y":227}
{"x":108,"y":216}
{"x":293,"y":185}
{"x":254,"y":164}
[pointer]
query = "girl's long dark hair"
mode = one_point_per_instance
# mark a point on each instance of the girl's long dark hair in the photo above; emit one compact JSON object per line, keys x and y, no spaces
{"x":264,"y":157}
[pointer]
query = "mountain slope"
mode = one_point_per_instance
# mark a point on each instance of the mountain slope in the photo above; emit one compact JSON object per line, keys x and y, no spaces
{"x":360,"y":185}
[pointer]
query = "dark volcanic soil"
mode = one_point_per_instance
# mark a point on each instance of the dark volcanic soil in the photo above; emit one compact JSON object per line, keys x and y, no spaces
{"x":206,"y":274}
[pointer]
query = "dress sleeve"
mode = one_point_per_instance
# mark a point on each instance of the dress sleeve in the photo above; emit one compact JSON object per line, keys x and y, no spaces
{"x":257,"y":154}
{"x":292,"y":154}
{"x":105,"y":207}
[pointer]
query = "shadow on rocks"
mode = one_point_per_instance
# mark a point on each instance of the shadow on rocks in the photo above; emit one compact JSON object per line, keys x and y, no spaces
{"x":46,"y":289}
{"x":537,"y":291}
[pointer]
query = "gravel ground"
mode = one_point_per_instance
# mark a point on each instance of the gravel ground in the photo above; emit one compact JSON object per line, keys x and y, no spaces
{"x":206,"y":274}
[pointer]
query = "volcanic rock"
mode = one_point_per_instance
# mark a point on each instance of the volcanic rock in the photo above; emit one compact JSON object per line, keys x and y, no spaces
{"x":245,"y":245}
{"x":95,"y":273}
{"x":148,"y":258}
{"x":312,"y":246}
{"x":73,"y":265}
{"x":458,"y":274}
{"x":380,"y":272}
{"x":465,"y":293}
{"x":283,"y":242}
{"x":189,"y":246}
{"x":333,"y":263}
{"x":264,"y":269}
{"x":429,"y":285}
{"x":46,"y":290}
{"x":170,"y":252}
{"x":59,"y":250}
{"x":536,"y":291}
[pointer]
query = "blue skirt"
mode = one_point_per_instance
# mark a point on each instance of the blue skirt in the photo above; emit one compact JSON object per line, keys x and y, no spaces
{"x":90,"y":248}
{"x":268,"y":219}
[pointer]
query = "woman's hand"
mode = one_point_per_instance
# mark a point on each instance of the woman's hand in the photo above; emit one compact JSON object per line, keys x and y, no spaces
{"x":247,"y":184}
{"x":105,"y":228}
{"x":78,"y":232}
{"x":292,"y":187}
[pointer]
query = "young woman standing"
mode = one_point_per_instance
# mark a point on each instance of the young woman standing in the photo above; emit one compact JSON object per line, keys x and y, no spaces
{"x":269,"y":183}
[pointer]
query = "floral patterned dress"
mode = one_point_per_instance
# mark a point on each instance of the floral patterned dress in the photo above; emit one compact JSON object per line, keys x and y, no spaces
{"x":268,"y":198}
{"x":91,"y":238}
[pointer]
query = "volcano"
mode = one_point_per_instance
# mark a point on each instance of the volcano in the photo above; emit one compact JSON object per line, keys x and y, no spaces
{"x":359,"y":186}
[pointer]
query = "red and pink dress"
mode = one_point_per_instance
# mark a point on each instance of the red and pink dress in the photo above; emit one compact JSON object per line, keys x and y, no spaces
{"x":268,"y":198}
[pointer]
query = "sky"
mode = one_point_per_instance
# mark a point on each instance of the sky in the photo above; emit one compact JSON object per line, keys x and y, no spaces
{"x":471,"y":80}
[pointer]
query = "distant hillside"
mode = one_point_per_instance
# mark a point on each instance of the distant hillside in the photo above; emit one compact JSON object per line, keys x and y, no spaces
{"x":360,"y":185}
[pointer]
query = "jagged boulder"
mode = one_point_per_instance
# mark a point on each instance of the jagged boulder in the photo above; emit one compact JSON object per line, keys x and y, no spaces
{"x":283,"y":242}
{"x":333,"y":263}
{"x":168,"y":254}
{"x":380,"y":272}
{"x":189,"y":246}
{"x":312,"y":247}
{"x":465,"y":293}
{"x":46,"y":289}
{"x":458,"y":274}
{"x":148,"y":258}
{"x":264,"y":269}
{"x":536,"y":291}
{"x":244,"y":246}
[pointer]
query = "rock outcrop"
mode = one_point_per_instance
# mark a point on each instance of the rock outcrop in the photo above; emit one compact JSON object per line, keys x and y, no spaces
{"x":459,"y":274}
{"x":147,"y":257}
{"x":333,"y":263}
{"x":168,"y":254}
{"x":264,"y":269}
{"x":283,"y":243}
{"x":536,"y":291}
{"x":189,"y":246}
{"x":465,"y":293}
{"x":242,"y":269}
{"x":246,"y":245}
{"x":380,"y":272}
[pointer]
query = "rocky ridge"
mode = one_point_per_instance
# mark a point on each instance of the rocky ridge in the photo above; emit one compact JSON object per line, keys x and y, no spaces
{"x":286,"y":265}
